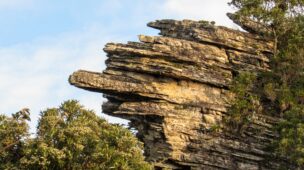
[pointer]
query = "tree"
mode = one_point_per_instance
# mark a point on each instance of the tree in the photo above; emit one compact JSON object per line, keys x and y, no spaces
{"x":246,"y":104}
{"x":13,"y":134}
{"x":283,"y":86}
{"x":71,"y":137}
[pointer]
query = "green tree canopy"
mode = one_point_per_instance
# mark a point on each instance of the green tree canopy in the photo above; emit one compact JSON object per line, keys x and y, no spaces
{"x":282,"y":87}
{"x":71,"y":137}
{"x":13,"y":134}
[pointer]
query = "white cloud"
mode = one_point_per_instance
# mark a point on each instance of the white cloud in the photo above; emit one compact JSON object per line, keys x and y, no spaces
{"x":212,"y":10}
{"x":35,"y":75}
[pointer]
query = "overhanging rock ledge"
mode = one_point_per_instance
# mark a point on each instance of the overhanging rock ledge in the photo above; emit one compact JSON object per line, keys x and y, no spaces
{"x":174,"y":88}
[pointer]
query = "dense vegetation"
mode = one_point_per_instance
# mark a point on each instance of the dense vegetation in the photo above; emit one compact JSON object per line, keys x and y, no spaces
{"x":68,"y":137}
{"x":282,"y":88}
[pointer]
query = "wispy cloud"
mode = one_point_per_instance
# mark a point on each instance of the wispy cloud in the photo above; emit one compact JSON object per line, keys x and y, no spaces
{"x":35,"y":74}
{"x":214,"y":10}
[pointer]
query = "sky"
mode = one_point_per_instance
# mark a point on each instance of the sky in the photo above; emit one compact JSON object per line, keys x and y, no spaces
{"x":44,"y":41}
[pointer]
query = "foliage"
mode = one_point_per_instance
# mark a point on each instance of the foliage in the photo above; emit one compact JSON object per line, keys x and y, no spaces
{"x":278,"y":15}
{"x":71,"y":137}
{"x":13,"y":134}
{"x":246,"y":103}
{"x":283,"y":87}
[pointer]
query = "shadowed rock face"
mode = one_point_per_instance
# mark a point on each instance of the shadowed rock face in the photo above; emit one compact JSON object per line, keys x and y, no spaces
{"x":174,"y":88}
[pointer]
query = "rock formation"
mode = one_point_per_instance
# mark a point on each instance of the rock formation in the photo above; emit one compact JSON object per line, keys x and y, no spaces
{"x":174,"y":89}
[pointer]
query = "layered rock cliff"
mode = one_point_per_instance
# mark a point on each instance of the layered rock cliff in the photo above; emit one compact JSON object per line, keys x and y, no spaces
{"x":174,"y":89}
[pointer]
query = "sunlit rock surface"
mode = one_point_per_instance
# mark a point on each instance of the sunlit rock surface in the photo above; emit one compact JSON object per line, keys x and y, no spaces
{"x":174,"y":88}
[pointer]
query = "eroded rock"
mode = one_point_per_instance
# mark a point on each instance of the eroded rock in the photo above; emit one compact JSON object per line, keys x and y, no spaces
{"x":174,"y":89}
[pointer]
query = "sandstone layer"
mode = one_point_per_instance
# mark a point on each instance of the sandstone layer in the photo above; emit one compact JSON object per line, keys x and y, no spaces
{"x":174,"y":89}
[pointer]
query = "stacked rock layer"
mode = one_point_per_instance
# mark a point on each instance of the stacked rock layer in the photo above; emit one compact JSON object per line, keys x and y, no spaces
{"x":174,"y":89}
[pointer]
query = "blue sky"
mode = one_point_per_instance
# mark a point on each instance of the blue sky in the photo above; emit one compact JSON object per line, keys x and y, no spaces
{"x":43,"y":41}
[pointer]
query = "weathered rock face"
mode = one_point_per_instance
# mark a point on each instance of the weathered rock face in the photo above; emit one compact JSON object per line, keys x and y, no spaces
{"x":174,"y":89}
